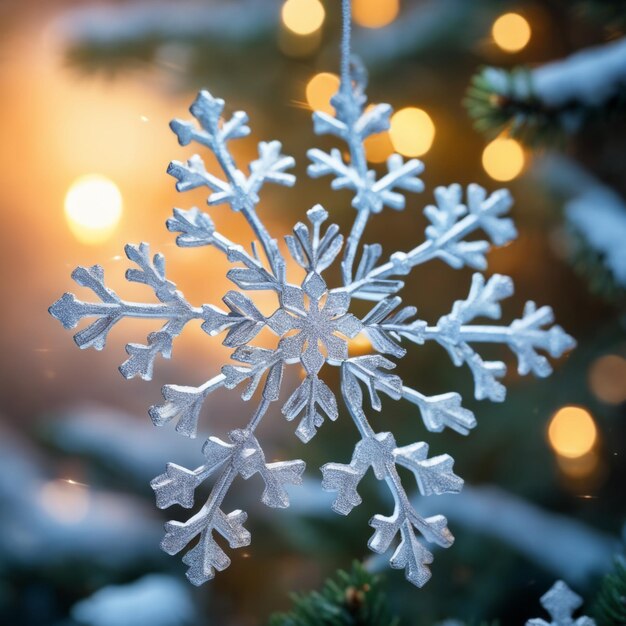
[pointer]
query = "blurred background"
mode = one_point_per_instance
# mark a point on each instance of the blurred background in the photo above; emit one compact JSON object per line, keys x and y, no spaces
{"x":88,"y":89}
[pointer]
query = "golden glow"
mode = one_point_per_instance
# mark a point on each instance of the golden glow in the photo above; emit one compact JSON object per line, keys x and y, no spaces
{"x":572,"y":432}
{"x":378,"y":147}
{"x":320,"y":89}
{"x":65,"y":501}
{"x":580,"y":467}
{"x":375,"y":13}
{"x":93,"y":208}
{"x":511,"y":32}
{"x":303,"y":17}
{"x":411,"y":131}
{"x":360,"y":345}
{"x":607,"y":379}
{"x":503,"y":159}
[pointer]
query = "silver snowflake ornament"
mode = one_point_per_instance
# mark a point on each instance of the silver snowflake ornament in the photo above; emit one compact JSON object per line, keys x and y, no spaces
{"x":313,"y":325}
{"x":561,"y":603}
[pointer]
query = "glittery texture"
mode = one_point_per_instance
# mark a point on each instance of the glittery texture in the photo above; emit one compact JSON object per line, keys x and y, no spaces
{"x":561,"y":603}
{"x":313,"y":326}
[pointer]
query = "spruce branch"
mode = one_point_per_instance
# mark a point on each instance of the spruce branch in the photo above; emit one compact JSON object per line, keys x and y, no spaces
{"x":542,"y":105}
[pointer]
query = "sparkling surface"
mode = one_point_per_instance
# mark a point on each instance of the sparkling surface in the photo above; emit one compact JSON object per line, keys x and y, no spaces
{"x":313,"y":323}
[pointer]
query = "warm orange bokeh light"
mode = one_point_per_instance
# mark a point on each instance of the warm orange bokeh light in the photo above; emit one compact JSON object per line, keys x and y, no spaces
{"x":303,"y":17}
{"x":378,"y":148}
{"x":607,"y":379}
{"x":93,"y":208}
{"x":360,"y":345}
{"x":511,"y":32}
{"x":320,"y":89}
{"x":375,"y":13}
{"x":572,"y":432}
{"x":503,"y":159}
{"x":580,"y":467}
{"x":412,"y":131}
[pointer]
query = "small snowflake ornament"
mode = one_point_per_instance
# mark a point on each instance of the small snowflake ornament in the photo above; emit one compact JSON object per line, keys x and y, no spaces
{"x":313,"y":324}
{"x":561,"y":603}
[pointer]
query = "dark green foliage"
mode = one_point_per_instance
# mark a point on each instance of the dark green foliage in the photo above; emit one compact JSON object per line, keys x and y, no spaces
{"x":501,"y":100}
{"x":589,"y":264}
{"x":496,"y":110}
{"x":610,"y":605}
{"x":609,"y":13}
{"x":354,"y":598}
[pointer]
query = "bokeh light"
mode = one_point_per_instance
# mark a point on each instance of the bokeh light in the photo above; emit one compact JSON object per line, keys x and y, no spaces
{"x":511,"y":32}
{"x":572,"y":432}
{"x":378,"y":147}
{"x":320,"y":89}
{"x":64,"y":500}
{"x":93,"y":208}
{"x":607,"y":379}
{"x":375,"y":13}
{"x":412,"y":131}
{"x":360,"y":345}
{"x":580,"y":467}
{"x":503,"y":159}
{"x":303,"y":17}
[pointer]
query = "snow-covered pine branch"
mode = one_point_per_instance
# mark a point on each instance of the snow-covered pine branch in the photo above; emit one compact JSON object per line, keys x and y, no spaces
{"x":595,"y":214}
{"x":535,"y":104}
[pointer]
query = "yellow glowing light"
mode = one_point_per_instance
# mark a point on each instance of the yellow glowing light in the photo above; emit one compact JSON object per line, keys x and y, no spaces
{"x":360,"y":345}
{"x":511,"y":32}
{"x":93,"y":208}
{"x":572,"y":432}
{"x":579,"y":467}
{"x":607,"y":379}
{"x":320,"y":89}
{"x":378,"y":147}
{"x":411,"y":131}
{"x":375,"y":13}
{"x":303,"y":17}
{"x":503,"y":159}
{"x":65,"y":501}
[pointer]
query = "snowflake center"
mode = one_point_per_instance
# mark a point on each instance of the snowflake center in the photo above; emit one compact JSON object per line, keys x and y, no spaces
{"x":316,"y":331}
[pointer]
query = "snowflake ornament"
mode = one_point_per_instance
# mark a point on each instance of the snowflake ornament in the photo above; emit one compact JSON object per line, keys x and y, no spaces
{"x":313,"y":324}
{"x":561,"y":603}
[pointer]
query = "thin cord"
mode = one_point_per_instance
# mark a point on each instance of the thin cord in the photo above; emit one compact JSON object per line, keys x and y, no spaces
{"x":346,"y":80}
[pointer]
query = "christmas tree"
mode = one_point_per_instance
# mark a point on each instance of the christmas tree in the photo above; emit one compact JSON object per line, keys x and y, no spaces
{"x":527,"y":95}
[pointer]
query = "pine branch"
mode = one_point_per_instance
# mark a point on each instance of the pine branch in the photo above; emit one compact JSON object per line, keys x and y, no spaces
{"x":610,"y":604}
{"x":354,"y":598}
{"x":544,"y":104}
{"x":596,"y":225}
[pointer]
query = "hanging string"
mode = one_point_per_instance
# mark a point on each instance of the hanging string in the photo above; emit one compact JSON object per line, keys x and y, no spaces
{"x":346,"y":17}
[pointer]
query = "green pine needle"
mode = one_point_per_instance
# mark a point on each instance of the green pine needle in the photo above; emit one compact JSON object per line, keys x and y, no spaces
{"x":354,"y":598}
{"x":503,"y":101}
{"x":610,"y":605}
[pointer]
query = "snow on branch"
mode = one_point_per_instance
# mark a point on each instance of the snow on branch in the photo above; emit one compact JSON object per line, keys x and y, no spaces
{"x":535,"y":104}
{"x":595,"y":213}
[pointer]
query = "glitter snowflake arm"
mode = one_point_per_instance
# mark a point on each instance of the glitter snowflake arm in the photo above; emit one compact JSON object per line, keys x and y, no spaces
{"x":197,"y":229}
{"x":524,"y":336}
{"x":238,"y":190}
{"x":172,"y":307}
{"x":452,"y":221}
{"x":353,"y":124}
{"x":561,"y":603}
{"x":242,"y":456}
{"x":379,"y":451}
{"x":184,"y":403}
